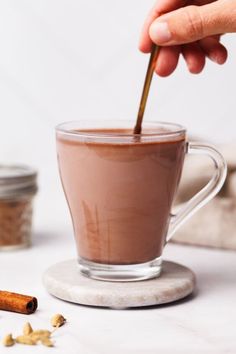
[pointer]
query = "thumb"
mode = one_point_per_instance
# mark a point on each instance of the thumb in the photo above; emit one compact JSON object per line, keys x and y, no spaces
{"x":191,"y":23}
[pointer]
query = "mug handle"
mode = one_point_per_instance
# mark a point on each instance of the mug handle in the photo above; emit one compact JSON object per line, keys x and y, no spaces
{"x":206,"y":193}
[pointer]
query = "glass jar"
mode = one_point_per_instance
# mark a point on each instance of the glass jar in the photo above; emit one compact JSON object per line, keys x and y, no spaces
{"x":18,"y":186}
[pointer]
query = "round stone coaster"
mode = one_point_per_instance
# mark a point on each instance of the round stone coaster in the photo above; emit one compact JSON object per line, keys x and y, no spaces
{"x":64,"y":281}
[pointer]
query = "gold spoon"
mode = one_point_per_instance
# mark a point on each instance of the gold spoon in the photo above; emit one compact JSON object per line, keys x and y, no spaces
{"x":146,"y":87}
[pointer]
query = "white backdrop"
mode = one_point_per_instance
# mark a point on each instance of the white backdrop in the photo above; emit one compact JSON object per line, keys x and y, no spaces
{"x":62,"y":60}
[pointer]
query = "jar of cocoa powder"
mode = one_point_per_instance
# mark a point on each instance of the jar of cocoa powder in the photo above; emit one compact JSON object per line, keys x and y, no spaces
{"x":18,"y":187}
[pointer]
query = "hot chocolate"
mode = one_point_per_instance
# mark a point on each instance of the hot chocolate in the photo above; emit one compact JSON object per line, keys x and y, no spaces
{"x":120,"y":194}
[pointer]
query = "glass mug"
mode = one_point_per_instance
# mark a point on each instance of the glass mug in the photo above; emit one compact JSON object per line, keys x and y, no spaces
{"x":120,"y":189}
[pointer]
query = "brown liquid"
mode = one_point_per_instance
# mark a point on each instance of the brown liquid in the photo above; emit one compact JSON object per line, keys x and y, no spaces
{"x":120,"y":196}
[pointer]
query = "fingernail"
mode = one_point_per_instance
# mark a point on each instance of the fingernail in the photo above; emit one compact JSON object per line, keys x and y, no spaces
{"x":159,"y":32}
{"x":217,"y":59}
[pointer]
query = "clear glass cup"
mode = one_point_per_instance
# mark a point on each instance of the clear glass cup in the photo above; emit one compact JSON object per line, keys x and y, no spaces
{"x":120,"y":189}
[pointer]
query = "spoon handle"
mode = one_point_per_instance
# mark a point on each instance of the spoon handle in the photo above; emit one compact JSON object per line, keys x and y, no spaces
{"x":146,"y":87}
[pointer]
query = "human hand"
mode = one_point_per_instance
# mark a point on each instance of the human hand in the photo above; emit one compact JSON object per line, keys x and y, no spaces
{"x":192,"y":30}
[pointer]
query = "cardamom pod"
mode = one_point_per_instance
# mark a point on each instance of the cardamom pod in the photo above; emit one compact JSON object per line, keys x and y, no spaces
{"x":8,"y":341}
{"x":27,"y":329}
{"x":57,"y":320}
{"x":26,"y":340}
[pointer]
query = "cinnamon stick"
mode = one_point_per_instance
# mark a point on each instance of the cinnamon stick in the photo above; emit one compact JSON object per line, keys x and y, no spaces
{"x":17,"y":302}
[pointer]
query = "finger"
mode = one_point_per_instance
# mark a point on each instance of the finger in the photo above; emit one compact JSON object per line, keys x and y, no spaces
{"x":160,"y":7}
{"x":194,"y":57}
{"x":214,"y":50}
{"x":217,"y":37}
{"x":167,"y":60}
{"x":192,"y":23}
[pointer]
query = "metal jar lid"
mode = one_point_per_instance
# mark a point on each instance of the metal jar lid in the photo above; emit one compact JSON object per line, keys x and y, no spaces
{"x":17,"y":181}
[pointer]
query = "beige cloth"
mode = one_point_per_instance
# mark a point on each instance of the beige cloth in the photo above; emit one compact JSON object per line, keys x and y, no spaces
{"x":215,"y":224}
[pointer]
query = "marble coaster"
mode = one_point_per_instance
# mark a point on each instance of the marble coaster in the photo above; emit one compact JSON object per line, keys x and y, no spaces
{"x":64,"y":281}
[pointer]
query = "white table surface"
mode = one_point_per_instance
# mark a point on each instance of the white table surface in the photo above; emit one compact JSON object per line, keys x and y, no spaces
{"x":204,"y":323}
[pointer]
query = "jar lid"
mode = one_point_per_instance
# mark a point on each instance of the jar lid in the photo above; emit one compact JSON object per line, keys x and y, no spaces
{"x":17,"y":180}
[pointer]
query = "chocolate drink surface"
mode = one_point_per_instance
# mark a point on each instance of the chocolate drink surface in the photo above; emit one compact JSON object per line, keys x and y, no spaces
{"x":120,"y":194}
